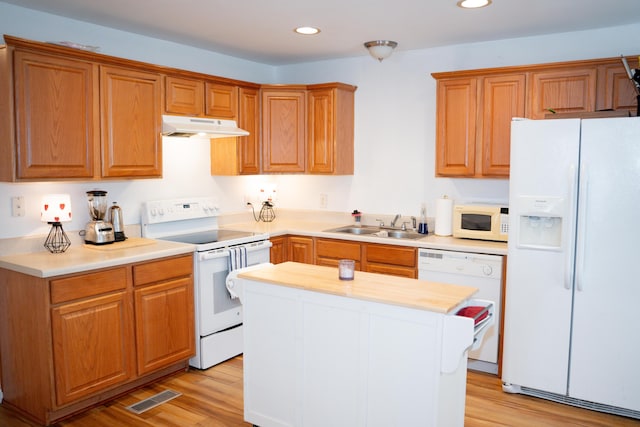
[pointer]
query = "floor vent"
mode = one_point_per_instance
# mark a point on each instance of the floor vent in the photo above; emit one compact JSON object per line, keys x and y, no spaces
{"x":153,"y":401}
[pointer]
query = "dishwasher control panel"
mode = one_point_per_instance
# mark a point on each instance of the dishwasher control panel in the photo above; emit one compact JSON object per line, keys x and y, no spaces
{"x":463,"y":263}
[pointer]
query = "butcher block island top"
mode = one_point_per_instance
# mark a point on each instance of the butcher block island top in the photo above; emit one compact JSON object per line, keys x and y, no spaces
{"x":400,"y":291}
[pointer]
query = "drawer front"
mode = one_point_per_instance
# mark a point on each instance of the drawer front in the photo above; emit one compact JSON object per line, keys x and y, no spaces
{"x":164,"y":269}
{"x":393,"y":255}
{"x":89,"y":284}
{"x":337,"y":249}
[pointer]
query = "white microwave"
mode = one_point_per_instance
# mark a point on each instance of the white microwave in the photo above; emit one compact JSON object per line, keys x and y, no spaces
{"x":482,"y":222}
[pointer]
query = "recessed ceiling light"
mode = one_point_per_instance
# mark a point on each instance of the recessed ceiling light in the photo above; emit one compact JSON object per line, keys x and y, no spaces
{"x":473,"y":4}
{"x":307,"y":31}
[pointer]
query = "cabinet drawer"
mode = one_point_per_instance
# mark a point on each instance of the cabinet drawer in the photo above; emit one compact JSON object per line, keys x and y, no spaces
{"x":337,"y":249}
{"x":89,"y":284}
{"x":393,"y":255}
{"x":156,"y":271}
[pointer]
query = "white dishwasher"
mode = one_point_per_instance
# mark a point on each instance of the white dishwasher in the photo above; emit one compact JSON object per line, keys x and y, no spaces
{"x":470,"y":269}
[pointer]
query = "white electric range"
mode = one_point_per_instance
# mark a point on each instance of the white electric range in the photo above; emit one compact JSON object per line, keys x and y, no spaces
{"x":218,"y":316}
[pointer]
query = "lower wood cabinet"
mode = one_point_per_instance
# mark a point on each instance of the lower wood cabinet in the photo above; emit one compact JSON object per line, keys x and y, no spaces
{"x":390,"y":259}
{"x":373,"y":257}
{"x":71,"y":342}
{"x":330,"y":251}
{"x":292,"y":248}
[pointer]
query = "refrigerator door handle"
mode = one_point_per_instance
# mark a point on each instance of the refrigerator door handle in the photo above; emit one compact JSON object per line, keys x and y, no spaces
{"x":582,"y":227}
{"x":568,"y":268}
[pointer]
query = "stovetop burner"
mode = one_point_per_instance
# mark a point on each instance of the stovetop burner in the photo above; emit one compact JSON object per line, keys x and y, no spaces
{"x":211,"y":236}
{"x":193,"y":221}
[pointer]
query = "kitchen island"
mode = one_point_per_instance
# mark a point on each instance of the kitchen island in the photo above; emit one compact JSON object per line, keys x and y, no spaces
{"x":376,"y":351}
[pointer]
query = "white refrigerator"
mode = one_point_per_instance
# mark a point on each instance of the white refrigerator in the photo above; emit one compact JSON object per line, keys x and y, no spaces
{"x":572,"y":307}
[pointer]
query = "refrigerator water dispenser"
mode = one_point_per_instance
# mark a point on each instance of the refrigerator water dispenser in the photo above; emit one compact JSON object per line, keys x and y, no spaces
{"x":540,"y":222}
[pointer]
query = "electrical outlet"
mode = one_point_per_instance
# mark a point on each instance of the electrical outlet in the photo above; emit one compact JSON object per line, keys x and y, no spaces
{"x":17,"y":206}
{"x":324,"y":199}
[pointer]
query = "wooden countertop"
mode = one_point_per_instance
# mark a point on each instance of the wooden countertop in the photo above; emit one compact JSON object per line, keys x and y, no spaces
{"x":412,"y":293}
{"x":87,"y":257}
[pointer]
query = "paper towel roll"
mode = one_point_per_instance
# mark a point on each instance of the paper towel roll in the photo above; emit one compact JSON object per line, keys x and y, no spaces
{"x":444,"y":216}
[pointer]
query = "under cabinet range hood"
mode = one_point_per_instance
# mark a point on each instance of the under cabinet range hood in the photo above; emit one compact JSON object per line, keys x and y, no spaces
{"x":193,"y":126}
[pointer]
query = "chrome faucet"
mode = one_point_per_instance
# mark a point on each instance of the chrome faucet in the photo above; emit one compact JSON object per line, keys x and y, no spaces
{"x":395,"y":219}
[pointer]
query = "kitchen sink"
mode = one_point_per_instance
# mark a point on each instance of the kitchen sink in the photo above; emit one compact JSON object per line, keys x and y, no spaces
{"x":395,"y":234}
{"x":355,"y":230}
{"x":377,"y":231}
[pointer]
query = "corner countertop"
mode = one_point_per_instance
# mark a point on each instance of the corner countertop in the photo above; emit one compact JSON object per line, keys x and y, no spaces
{"x":281,"y":227}
{"x":79,"y":258}
{"x":400,"y":291}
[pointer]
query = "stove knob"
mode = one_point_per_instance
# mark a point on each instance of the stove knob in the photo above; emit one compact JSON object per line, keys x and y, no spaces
{"x":487,"y":270}
{"x":153,"y":212}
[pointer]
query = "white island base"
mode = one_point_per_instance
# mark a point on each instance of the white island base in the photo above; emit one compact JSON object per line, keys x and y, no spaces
{"x":336,"y":357}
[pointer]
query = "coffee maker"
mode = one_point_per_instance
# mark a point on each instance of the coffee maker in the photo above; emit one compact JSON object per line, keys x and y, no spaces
{"x":98,"y":231}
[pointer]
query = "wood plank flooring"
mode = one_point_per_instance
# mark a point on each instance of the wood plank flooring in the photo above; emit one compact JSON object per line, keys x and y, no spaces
{"x":213,"y":398}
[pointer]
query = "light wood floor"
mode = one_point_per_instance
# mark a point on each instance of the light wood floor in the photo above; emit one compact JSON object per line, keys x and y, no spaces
{"x":213,"y":398}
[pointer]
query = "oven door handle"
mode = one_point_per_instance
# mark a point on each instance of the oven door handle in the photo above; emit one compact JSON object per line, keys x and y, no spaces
{"x":215,"y":254}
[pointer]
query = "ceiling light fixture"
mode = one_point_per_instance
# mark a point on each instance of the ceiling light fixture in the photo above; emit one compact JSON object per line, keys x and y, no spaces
{"x":473,"y":4}
{"x":307,"y":31}
{"x":380,"y":49}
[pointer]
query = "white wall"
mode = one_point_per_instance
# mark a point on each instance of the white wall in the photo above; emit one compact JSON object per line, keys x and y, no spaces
{"x":394,"y":124}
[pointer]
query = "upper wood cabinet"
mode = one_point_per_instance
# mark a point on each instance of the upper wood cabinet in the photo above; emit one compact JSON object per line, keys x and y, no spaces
{"x":615,"y":91}
{"x":456,"y":126}
{"x":308,"y":129}
{"x":330,"y":116}
{"x":221,"y":101}
{"x":283,"y":129}
{"x":475,"y":107}
{"x":183,"y":96}
{"x":569,"y":90}
{"x":67,"y":115}
{"x":131,"y":123}
{"x":200,"y":98}
{"x":240,"y":155}
{"x":56,"y":118}
{"x":473,"y":124}
{"x":503,"y":98}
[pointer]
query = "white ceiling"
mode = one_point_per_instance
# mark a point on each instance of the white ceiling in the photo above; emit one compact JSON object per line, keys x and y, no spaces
{"x":262,"y":30}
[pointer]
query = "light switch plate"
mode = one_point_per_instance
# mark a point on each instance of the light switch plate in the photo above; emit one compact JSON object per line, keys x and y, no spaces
{"x":17,"y":206}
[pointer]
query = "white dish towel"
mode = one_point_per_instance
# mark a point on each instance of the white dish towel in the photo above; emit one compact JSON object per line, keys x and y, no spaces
{"x":234,"y":285}
{"x":237,"y":258}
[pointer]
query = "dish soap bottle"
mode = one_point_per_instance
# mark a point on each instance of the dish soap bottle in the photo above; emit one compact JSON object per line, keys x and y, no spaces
{"x":422,"y":226}
{"x":357,"y":216}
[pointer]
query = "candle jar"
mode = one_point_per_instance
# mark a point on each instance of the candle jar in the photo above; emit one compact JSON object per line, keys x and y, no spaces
{"x":346,"y":268}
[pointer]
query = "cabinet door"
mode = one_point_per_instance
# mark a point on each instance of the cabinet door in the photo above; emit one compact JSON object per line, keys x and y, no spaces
{"x":221,"y":101}
{"x":503,"y":98}
{"x":456,"y":127}
{"x":330,"y":113}
{"x":615,"y":90}
{"x":330,"y":251}
{"x":102,"y":325}
{"x":283,"y":131}
{"x":564,"y":91}
{"x":388,"y":259}
{"x":131,"y":123}
{"x":183,"y":96}
{"x":279,"y":249}
{"x":301,"y":249}
{"x":249,"y":120}
{"x":321,"y":131}
{"x":164,"y":324}
{"x":57,"y":118}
